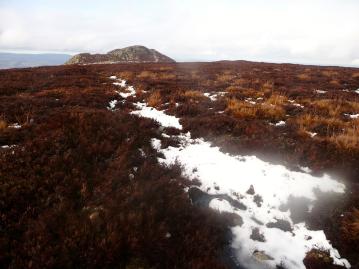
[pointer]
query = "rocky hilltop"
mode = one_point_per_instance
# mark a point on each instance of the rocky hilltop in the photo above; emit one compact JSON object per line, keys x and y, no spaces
{"x":133,"y":54}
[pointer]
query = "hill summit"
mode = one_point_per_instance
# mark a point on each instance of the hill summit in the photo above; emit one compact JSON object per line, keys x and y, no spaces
{"x":132,"y":54}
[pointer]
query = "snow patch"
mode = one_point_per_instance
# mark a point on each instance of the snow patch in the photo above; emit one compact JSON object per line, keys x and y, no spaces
{"x":211,"y":96}
{"x":14,"y":126}
{"x":159,"y":116}
{"x":311,"y":134}
{"x":112,"y":104}
{"x":130,"y":92}
{"x":221,"y":173}
{"x":8,"y":146}
{"x":352,"y":116}
{"x":278,"y":124}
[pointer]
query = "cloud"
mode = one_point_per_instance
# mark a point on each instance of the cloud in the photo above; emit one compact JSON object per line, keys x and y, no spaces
{"x":323,"y":32}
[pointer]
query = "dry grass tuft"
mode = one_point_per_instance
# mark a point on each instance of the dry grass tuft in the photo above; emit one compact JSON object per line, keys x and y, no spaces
{"x":226,"y":76}
{"x":268,"y":86}
{"x":3,"y":125}
{"x":245,"y":110}
{"x":154,"y":99}
{"x":329,"y":73}
{"x":193,"y":94}
{"x":348,"y":139}
{"x":240,"y":81}
{"x":241,"y":109}
{"x":350,"y":226}
{"x":328,"y":106}
{"x":127,"y":75}
{"x":309,"y":122}
{"x":146,"y":75}
{"x":334,"y":82}
{"x":355,"y":75}
{"x":276,"y":99}
{"x":303,"y":76}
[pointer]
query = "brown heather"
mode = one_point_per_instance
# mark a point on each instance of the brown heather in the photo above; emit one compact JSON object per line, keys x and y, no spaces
{"x":69,"y":194}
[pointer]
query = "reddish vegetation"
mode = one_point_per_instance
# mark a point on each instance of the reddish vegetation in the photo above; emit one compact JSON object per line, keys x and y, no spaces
{"x":69,"y":194}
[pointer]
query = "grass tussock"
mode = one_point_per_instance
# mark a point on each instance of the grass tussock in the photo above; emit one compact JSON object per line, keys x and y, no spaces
{"x":193,"y":94}
{"x":3,"y":124}
{"x":277,"y":100}
{"x":127,"y":75}
{"x":304,"y":76}
{"x":267,"y":86}
{"x":348,"y":139}
{"x":266,"y":110}
{"x":329,"y":73}
{"x":334,"y":108}
{"x":151,"y":75}
{"x":226,"y":76}
{"x":319,"y":124}
{"x":154,"y":99}
{"x":349,"y":231}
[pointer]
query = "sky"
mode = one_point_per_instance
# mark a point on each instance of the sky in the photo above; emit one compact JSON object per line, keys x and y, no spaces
{"x":322,"y":32}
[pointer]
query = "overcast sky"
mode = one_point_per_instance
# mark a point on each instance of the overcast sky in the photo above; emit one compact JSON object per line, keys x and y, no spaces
{"x":300,"y":31}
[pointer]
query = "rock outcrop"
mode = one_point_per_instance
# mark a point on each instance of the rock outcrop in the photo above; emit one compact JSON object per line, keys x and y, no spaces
{"x":133,"y":54}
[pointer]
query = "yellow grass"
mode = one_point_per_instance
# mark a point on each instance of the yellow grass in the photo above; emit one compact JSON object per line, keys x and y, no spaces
{"x":245,"y":110}
{"x":156,"y":76}
{"x":267,"y":86}
{"x":3,"y":125}
{"x":307,"y":122}
{"x":303,"y":76}
{"x":193,"y":94}
{"x":329,"y":73}
{"x":226,"y":76}
{"x":127,"y":75}
{"x":348,"y":139}
{"x":239,"y":81}
{"x":276,"y":99}
{"x":154,"y":99}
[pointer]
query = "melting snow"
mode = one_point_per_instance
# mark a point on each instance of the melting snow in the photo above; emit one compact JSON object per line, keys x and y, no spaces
{"x":295,"y":104}
{"x":312,"y":134}
{"x":159,"y":116}
{"x":211,"y":96}
{"x":112,"y":104}
{"x":130,"y":92}
{"x":122,"y":83}
{"x":320,"y":91}
{"x":15,"y":126}
{"x":274,"y":185}
{"x":278,"y":124}
{"x":352,"y":116}
{"x":249,"y":100}
{"x":357,"y":91}
{"x":221,"y":173}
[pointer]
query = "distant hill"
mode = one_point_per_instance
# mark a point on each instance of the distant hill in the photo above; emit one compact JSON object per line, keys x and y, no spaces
{"x":133,"y":54}
{"x":17,"y":60}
